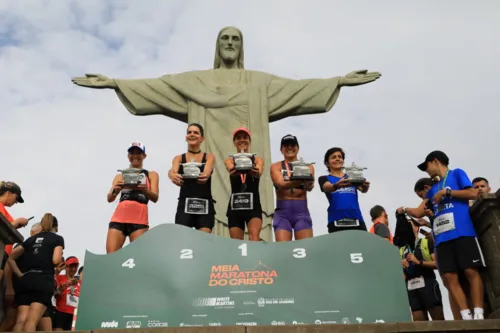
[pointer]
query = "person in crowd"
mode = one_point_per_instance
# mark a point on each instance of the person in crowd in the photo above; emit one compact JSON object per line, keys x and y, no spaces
{"x":419,"y":263}
{"x":244,"y":207}
{"x":380,"y":221}
{"x":130,"y":218}
{"x":11,"y":285}
{"x":457,"y":248}
{"x":41,"y":253}
{"x":422,"y":186}
{"x":10,"y":194}
{"x":291,"y":213}
{"x":195,"y":208}
{"x":481,"y":184}
{"x":343,"y":211}
{"x":66,"y":297}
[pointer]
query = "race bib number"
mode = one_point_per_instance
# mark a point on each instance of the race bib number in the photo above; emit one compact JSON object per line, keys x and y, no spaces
{"x":196,"y":206}
{"x":242,"y":201}
{"x":72,"y":300}
{"x":416,"y":283}
{"x":346,"y":223}
{"x":444,"y":223}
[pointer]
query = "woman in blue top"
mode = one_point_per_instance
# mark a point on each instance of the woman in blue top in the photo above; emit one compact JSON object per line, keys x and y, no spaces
{"x":343,"y":212}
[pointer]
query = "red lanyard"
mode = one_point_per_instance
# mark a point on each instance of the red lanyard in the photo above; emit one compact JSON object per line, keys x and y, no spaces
{"x":243,"y":178}
{"x":287,"y":170}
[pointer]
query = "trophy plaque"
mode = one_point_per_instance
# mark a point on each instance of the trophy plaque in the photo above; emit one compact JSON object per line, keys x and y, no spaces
{"x":243,"y":162}
{"x":132,"y":177}
{"x":191,"y":170}
{"x":355,"y":174}
{"x":300,"y":170}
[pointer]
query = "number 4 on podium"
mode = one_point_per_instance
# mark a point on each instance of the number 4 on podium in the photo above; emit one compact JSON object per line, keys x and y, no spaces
{"x":129,"y":263}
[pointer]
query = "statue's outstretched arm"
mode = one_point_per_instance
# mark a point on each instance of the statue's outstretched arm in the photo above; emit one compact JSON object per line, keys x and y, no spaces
{"x":357,"y":78}
{"x":96,"y":81}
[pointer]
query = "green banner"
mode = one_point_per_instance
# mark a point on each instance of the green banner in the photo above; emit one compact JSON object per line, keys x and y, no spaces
{"x":174,"y":276}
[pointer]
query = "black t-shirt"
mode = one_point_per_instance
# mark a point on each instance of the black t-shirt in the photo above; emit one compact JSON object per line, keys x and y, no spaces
{"x":382,"y":230}
{"x":39,"y":250}
{"x":417,"y":270}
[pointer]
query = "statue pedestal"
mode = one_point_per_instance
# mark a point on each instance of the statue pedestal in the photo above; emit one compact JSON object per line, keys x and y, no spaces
{"x":8,"y":235}
{"x":485,"y":213}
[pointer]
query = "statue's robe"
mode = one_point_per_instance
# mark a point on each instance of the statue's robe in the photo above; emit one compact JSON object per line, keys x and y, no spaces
{"x":222,"y":100}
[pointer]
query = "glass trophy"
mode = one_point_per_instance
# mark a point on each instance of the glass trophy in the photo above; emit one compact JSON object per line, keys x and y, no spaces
{"x":191,"y":170}
{"x":355,"y":174}
{"x":243,"y":162}
{"x":132,"y":177}
{"x":300,"y":170}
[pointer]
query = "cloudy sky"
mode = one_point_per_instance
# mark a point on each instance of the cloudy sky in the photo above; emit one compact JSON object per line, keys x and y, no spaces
{"x":63,"y":143}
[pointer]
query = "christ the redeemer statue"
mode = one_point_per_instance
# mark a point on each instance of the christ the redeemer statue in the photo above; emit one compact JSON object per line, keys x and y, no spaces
{"x":227,"y":97}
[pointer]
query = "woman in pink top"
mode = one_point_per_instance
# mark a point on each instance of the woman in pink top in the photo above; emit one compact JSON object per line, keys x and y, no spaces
{"x":130,"y":218}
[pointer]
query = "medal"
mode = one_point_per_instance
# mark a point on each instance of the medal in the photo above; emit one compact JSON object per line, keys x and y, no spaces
{"x":243,"y":182}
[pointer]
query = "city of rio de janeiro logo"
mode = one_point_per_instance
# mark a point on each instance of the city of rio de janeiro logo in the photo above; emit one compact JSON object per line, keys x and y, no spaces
{"x":233,"y":275}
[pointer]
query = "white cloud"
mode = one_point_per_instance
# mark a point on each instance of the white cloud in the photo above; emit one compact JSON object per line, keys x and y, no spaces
{"x":63,"y":143}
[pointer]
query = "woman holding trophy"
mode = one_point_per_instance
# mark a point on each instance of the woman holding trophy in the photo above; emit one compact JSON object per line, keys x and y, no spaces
{"x":292,"y":179}
{"x":196,"y":205}
{"x":137,"y":187}
{"x":244,"y":206}
{"x":342,"y":192}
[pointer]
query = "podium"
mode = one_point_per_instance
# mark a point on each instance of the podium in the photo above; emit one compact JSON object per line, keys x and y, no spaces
{"x":8,"y":235}
{"x":174,"y":276}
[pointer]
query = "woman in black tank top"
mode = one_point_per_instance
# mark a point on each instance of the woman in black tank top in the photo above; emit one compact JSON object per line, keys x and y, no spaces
{"x":244,"y":206}
{"x":195,"y":208}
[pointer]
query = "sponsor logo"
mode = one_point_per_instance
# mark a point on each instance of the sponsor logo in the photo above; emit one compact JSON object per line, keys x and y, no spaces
{"x":299,"y":323}
{"x":157,"y":323}
{"x":379,"y":321}
{"x":261,"y":301}
{"x":214,"y":301}
{"x":247,"y":324}
{"x":319,"y":322}
{"x":223,"y":275}
{"x":190,"y":325}
{"x":345,"y":320}
{"x":359,"y":320}
{"x":109,"y":324}
{"x":133,"y":324}
{"x":277,"y":323}
{"x":214,"y":324}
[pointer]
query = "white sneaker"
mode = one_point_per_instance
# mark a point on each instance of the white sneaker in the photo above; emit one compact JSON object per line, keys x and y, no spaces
{"x":478,"y":316}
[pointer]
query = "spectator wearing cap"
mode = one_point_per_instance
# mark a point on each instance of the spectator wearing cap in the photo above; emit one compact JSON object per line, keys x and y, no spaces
{"x":291,"y":213}
{"x":244,"y":207}
{"x":343,"y":210}
{"x":457,"y":247}
{"x":66,"y":295}
{"x":131,"y":218}
{"x":10,"y":194}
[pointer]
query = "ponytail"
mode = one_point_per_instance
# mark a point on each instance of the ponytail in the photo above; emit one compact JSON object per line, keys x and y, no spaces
{"x":49,"y":221}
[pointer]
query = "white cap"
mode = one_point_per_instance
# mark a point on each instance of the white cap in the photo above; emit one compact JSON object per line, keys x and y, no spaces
{"x":137,"y":145}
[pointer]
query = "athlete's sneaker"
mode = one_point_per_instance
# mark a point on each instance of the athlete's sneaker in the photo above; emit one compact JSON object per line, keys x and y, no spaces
{"x":478,"y":316}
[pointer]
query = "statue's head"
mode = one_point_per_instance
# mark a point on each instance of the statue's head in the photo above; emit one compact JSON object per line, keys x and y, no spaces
{"x":229,"y":48}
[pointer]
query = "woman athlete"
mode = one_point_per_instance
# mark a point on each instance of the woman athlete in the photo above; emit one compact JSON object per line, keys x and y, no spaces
{"x":291,"y":213}
{"x":196,"y":206}
{"x":35,"y":287}
{"x":343,"y":212}
{"x":130,"y":218}
{"x":244,"y":203}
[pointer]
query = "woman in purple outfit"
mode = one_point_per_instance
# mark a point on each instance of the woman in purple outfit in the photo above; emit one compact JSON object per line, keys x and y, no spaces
{"x":291,"y":213}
